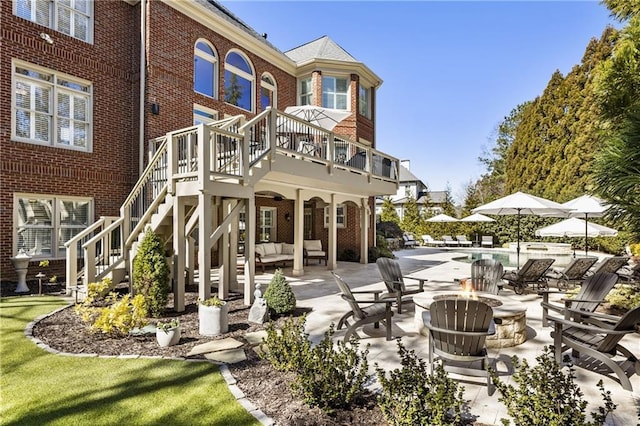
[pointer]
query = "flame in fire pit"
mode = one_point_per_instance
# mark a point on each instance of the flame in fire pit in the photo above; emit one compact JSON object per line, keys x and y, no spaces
{"x":467,"y":289}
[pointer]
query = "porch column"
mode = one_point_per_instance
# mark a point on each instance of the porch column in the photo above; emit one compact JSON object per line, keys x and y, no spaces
{"x":223,"y":284}
{"x":365,"y":212}
{"x":205,"y":217}
{"x":233,"y":251}
{"x":191,"y":259}
{"x":298,"y":234}
{"x":249,"y":249}
{"x":179,"y":255}
{"x":333,"y":235}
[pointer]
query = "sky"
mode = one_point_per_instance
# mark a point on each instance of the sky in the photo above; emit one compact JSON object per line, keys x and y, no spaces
{"x":451,"y":70}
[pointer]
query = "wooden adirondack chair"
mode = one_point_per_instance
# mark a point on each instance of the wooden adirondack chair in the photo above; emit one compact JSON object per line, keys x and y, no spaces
{"x":457,"y":332}
{"x":363,"y":311}
{"x":573,"y":273}
{"x":591,"y":294}
{"x":532,"y":272}
{"x":393,"y":279}
{"x":486,"y":275}
{"x":599,"y":340}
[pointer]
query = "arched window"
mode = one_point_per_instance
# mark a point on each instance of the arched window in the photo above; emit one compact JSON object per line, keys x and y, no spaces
{"x":205,"y":69}
{"x":267,"y":92}
{"x":239,"y":81}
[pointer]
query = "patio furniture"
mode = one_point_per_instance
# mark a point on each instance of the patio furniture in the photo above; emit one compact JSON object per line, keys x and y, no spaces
{"x":629,"y":274}
{"x":462,"y":240}
{"x":487,"y":241}
{"x":457,"y":332}
{"x":611,"y":264}
{"x":394,"y":281}
{"x":592,"y":293}
{"x":312,"y":249}
{"x":408,"y":241}
{"x":573,"y":273}
{"x":532,"y":272}
{"x":599,"y":339}
{"x":428,"y":240}
{"x":374,"y":311}
{"x":486,"y":275}
{"x":448,"y":241}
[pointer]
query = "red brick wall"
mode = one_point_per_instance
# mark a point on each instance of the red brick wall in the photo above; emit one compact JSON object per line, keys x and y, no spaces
{"x":107,"y":173}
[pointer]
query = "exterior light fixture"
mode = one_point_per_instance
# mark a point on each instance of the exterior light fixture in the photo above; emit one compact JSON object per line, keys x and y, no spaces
{"x":46,"y":37}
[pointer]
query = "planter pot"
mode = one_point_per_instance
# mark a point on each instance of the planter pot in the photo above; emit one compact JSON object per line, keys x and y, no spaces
{"x":168,"y":338}
{"x":213,"y":320}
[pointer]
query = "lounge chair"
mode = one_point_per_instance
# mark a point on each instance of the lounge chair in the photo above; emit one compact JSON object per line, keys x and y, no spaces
{"x":486,"y":275}
{"x":611,"y":264}
{"x":532,"y":272}
{"x":374,"y":311}
{"x":408,"y":241}
{"x":312,"y":249}
{"x":393,"y":279}
{"x":591,"y":294}
{"x":629,"y":274}
{"x":573,"y":273}
{"x":457,"y":333}
{"x":462,"y":240}
{"x":448,"y":241}
{"x":428,"y":240}
{"x":599,"y":339}
{"x":487,"y":241}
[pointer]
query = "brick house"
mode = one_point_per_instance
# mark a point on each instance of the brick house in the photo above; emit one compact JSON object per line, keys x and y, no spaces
{"x":123,"y":115}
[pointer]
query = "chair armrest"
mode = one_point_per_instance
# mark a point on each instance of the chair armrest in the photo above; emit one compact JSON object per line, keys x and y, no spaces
{"x":387,"y":301}
{"x":587,"y":327}
{"x":421,"y":281}
{"x":595,"y":315}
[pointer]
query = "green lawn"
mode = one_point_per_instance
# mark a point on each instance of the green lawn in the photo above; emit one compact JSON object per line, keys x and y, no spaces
{"x":38,"y":387}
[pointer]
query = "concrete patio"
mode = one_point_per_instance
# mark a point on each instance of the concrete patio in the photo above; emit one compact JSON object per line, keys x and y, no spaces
{"x":318,"y":291}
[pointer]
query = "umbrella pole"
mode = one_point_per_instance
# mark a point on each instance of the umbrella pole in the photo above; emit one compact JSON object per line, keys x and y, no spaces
{"x":518,"y":247}
{"x":586,"y":234}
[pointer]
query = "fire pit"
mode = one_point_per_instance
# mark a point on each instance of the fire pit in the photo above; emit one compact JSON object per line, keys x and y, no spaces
{"x":509,"y":316}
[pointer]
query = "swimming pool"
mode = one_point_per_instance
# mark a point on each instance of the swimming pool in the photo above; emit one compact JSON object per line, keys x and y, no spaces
{"x":509,"y":259}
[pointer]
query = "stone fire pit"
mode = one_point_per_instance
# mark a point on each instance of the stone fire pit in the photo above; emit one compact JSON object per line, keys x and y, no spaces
{"x":509,"y":316}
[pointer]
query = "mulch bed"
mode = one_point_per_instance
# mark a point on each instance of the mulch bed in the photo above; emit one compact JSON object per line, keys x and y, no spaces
{"x":265,"y":387}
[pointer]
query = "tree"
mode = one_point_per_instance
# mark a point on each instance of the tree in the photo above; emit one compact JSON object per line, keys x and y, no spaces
{"x":389,"y":213}
{"x":411,"y":219}
{"x":448,"y":205}
{"x":233,"y":90}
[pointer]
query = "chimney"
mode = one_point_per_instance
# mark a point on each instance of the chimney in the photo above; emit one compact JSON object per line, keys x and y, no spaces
{"x":406,"y":164}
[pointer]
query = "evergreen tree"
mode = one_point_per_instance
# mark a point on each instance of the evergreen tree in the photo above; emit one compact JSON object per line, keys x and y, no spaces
{"x":411,"y":219}
{"x":389,"y":213}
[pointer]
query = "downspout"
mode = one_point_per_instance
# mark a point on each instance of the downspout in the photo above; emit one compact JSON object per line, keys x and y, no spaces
{"x":143,"y":80}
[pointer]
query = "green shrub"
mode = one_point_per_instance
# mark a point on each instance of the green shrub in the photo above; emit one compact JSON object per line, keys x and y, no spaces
{"x":544,"y":395}
{"x":151,"y":274}
{"x":635,"y":249}
{"x":389,"y":229}
{"x":117,"y":318}
{"x":288,"y":349}
{"x":411,"y":396}
{"x":332,"y":378}
{"x":611,"y":245}
{"x":625,"y":296}
{"x":279,"y":296}
{"x":349,"y":255}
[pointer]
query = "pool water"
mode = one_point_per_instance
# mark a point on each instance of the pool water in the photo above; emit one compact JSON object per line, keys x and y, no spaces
{"x":509,"y":260}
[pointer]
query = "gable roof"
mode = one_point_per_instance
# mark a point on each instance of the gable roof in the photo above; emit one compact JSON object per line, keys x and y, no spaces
{"x":405,"y":175}
{"x":321,"y":48}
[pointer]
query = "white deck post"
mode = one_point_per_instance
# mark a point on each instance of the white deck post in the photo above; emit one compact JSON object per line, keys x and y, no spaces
{"x":333,"y":235}
{"x":298,"y":234}
{"x":249,"y":250}
{"x":364,"y":230}
{"x":179,"y":248}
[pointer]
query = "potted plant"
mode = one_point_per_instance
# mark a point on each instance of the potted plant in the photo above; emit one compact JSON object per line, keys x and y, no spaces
{"x":212,"y":316}
{"x":168,"y":333}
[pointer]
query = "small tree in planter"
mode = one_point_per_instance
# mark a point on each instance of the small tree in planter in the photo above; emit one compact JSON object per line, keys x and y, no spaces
{"x":151,"y":274}
{"x":213,"y":316}
{"x":168,"y":333}
{"x":279,"y":296}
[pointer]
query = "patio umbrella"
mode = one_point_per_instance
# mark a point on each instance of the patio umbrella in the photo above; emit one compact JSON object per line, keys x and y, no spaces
{"x":574,"y":227}
{"x":586,"y":206}
{"x":442,"y":218}
{"x":477,"y":217}
{"x":326,"y":118}
{"x":520,"y":204}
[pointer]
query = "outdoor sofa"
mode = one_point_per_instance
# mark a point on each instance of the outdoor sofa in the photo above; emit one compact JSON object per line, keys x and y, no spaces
{"x":273,"y":254}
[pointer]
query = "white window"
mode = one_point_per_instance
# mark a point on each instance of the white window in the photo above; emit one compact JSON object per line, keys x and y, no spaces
{"x":306,"y":92}
{"x":205,"y":69}
{"x":239,"y":81}
{"x":71,"y":17}
{"x":335,"y":92}
{"x":203,"y":114}
{"x":45,"y":222}
{"x":341,"y":216}
{"x":51,"y":108}
{"x":267,"y":92}
{"x":268,"y":230}
{"x":364,"y":101}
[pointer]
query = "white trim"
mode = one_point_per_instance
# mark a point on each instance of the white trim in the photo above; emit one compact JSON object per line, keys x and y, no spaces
{"x":241,"y":73}
{"x":211,"y":59}
{"x":273,"y":87}
{"x":204,"y":109}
